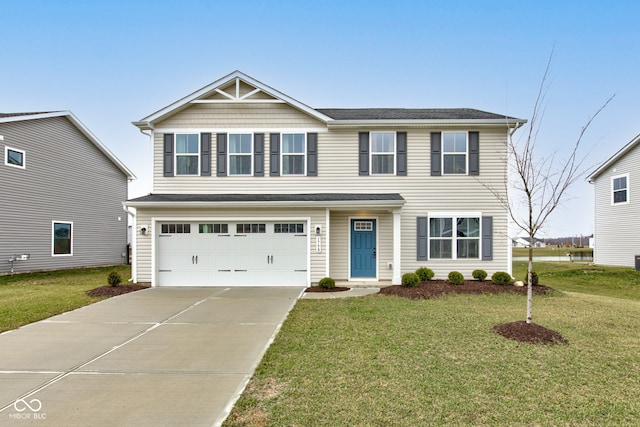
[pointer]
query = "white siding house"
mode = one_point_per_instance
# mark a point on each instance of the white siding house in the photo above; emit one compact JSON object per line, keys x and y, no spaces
{"x":617,"y":206}
{"x":252,"y":187}
{"x":63,"y":195}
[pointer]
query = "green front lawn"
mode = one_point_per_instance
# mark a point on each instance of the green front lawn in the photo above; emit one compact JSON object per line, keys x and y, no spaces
{"x":388,"y":361}
{"x":27,"y":298}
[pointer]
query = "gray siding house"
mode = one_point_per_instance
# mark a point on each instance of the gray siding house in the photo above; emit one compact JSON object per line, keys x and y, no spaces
{"x":252,"y":187}
{"x":63,"y":195}
{"x":617,"y":206}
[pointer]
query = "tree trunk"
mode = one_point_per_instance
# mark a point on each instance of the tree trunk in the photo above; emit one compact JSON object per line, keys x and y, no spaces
{"x":530,"y":280}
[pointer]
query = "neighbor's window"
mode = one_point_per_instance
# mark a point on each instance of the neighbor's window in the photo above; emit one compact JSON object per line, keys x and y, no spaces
{"x":187,"y":154}
{"x":454,"y":152}
{"x":293,"y":153}
{"x":620,"y":188}
{"x":454,"y":237}
{"x":240,"y":154}
{"x":14,"y":157}
{"x":62,"y":238}
{"x":383,"y":152}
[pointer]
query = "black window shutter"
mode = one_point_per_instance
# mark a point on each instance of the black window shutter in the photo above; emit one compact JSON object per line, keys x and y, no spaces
{"x":258,"y":154}
{"x":487,"y":238}
{"x":363,"y":153}
{"x":274,"y":146}
{"x":401,"y":153}
{"x":474,"y":153}
{"x":312,"y":154}
{"x":205,"y":154}
{"x":168,"y":154}
{"x":422,"y":228}
{"x":436,"y":154}
{"x":221,"y":162}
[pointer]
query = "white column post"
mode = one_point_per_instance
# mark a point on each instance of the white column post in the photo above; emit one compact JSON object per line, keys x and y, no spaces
{"x":397,"y":248}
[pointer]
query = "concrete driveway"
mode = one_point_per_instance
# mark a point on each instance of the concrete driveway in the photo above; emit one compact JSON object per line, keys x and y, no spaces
{"x":161,"y":356}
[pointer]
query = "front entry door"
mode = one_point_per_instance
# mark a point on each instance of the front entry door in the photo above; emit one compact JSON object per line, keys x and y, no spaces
{"x":363,"y":248}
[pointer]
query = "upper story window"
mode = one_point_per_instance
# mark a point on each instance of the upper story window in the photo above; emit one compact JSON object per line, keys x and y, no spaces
{"x":62,"y":243}
{"x":383,"y":153}
{"x":620,"y":189}
{"x":293,"y":153}
{"x":14,"y":157}
{"x":240,"y":154}
{"x":187,"y":154}
{"x":454,"y":237}
{"x":454,"y":152}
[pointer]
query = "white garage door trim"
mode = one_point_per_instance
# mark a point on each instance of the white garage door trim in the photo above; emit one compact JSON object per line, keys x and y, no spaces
{"x":155,"y":229}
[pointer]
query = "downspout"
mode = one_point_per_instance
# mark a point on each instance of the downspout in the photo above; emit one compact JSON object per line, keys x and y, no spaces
{"x":134,"y":238}
{"x":517,"y":126}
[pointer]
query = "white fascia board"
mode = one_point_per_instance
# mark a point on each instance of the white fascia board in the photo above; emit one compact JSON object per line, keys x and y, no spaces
{"x":620,"y":153}
{"x":82,"y":128}
{"x":147,"y":122}
{"x":425,"y":123}
{"x":285,"y":204}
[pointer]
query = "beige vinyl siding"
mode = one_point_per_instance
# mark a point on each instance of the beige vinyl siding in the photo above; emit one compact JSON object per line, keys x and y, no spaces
{"x":145,"y":216}
{"x":617,"y":236}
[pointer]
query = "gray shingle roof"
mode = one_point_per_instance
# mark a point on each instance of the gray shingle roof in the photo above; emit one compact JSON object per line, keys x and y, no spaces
{"x":3,"y":115}
{"x":318,"y":197}
{"x":410,"y":114}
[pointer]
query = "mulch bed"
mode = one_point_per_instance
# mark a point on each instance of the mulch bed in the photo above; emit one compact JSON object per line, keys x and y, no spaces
{"x":319,"y":289}
{"x":520,"y":331}
{"x":111,"y":291}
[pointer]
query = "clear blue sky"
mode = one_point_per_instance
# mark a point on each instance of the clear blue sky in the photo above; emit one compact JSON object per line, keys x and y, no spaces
{"x":114,"y":62}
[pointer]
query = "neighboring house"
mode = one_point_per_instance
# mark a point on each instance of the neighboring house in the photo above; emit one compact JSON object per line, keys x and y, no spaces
{"x":63,"y":195}
{"x":617,"y":206}
{"x":523,"y":242}
{"x":251,"y":187}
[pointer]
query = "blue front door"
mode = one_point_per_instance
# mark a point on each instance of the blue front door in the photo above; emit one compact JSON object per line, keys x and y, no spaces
{"x":363,"y":248}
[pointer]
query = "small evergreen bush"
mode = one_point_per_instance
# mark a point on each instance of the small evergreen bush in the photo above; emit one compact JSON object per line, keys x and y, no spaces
{"x":456,"y":278}
{"x":534,"y":278}
{"x":114,"y":279}
{"x":424,"y":274}
{"x":501,"y":278}
{"x":479,"y":275}
{"x":410,"y":280}
{"x":327,"y":283}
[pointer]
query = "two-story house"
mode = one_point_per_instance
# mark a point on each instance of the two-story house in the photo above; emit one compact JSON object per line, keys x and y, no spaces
{"x":617,"y":203}
{"x":63,"y":195}
{"x":252,"y":187}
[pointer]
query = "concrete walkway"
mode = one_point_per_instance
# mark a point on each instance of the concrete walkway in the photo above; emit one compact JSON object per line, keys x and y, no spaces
{"x":161,"y":356}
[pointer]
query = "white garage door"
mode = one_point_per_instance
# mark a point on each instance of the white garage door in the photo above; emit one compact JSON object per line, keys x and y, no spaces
{"x":249,"y":253}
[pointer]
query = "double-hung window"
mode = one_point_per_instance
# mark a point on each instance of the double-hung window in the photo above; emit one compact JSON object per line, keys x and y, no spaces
{"x":293,"y":153}
{"x":620,"y":189}
{"x":187,"y":154}
{"x":61,"y":239}
{"x":383,"y":153}
{"x":454,"y":152}
{"x":14,"y":157}
{"x":454,"y":237}
{"x":240,"y":154}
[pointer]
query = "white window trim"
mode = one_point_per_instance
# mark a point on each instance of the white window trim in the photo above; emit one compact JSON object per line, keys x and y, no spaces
{"x":229,"y":154}
{"x":53,"y":242}
{"x":6,"y":157}
{"x":454,"y":250}
{"x":176,"y":154}
{"x":383,"y":153}
{"x":466,"y":154}
{"x":613,"y":178}
{"x":303,"y":154}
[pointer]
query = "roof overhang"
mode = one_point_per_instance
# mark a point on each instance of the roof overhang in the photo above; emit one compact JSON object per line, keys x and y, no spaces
{"x":620,"y":153}
{"x":346,"y":124}
{"x":81,"y":127}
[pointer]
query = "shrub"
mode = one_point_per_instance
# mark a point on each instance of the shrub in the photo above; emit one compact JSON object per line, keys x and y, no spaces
{"x":327,"y":283}
{"x":534,"y":278}
{"x":479,"y":275}
{"x":410,"y":280}
{"x":501,"y":278}
{"x":456,"y":278}
{"x":114,"y":279}
{"x":424,"y":273}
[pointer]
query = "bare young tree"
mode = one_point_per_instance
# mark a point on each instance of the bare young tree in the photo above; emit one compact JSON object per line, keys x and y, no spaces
{"x":540,"y":182}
